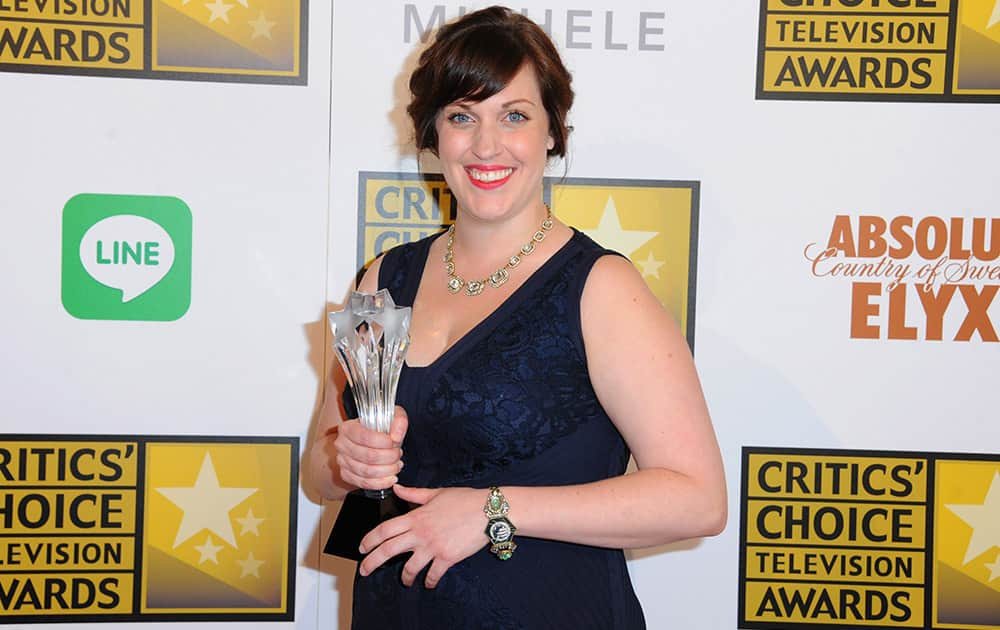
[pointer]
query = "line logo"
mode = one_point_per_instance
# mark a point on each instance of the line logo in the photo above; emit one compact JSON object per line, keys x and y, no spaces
{"x":126,"y":257}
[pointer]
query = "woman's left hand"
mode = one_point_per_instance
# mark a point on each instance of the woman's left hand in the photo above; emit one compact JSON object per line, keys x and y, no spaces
{"x":448,"y":527}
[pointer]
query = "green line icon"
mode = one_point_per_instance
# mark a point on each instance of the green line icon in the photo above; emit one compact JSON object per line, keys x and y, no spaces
{"x":126,"y":257}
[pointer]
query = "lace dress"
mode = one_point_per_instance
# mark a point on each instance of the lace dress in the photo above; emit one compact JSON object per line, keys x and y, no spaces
{"x":509,"y":404}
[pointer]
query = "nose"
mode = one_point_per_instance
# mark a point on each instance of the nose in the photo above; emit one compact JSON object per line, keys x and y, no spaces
{"x":487,"y":142}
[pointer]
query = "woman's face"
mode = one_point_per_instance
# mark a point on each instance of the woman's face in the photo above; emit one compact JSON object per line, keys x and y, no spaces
{"x":493,"y":153}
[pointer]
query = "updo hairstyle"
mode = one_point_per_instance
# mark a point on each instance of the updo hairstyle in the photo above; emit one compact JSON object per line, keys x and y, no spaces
{"x":474,"y":58}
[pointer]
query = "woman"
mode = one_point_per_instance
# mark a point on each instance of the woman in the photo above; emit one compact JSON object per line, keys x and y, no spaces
{"x":538,"y":362}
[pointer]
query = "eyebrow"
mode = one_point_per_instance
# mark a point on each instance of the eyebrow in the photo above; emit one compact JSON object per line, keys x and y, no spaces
{"x":465,"y":104}
{"x":515,"y":101}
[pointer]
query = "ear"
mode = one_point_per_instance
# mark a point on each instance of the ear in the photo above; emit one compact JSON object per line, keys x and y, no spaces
{"x":550,"y":143}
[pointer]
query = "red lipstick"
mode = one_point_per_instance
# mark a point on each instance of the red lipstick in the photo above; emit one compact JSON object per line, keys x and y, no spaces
{"x":488,"y":169}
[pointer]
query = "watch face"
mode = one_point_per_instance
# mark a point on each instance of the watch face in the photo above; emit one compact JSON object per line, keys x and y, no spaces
{"x":500,"y":530}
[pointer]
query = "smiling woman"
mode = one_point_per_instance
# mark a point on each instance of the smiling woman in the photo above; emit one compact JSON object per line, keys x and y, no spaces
{"x":538,"y":363}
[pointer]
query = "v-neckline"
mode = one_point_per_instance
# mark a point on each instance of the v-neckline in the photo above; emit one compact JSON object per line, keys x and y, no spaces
{"x":508,"y":303}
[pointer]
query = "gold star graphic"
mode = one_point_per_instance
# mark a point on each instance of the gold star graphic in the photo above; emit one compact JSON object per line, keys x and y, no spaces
{"x":995,"y":17}
{"x":610,"y":233}
{"x":220,"y":11}
{"x":651,"y":266}
{"x":994,"y":568}
{"x":250,"y":566}
{"x":261,"y":26}
{"x":209,"y":551}
{"x":249,"y":523}
{"x":206,"y":505}
{"x":984,"y":519}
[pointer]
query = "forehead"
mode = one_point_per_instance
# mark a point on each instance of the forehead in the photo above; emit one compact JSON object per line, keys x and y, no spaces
{"x":523,"y":86}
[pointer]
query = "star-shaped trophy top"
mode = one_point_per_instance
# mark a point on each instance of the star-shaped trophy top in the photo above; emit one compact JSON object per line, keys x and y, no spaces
{"x":377,"y":308}
{"x":343,"y":323}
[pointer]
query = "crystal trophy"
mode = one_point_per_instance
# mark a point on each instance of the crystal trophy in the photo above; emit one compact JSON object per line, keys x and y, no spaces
{"x":370,"y":336}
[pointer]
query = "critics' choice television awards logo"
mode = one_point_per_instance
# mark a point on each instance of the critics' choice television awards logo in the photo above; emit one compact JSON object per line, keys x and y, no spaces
{"x":929,"y":50}
{"x":654,"y":223}
{"x":134,"y":528}
{"x":126,"y":257}
{"x":261,"y":41}
{"x":862,"y":538}
{"x":915,"y":278}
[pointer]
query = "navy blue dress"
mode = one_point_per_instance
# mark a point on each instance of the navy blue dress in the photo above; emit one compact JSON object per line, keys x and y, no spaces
{"x":509,"y":404}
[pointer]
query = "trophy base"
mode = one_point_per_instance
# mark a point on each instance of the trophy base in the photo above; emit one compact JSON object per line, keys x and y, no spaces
{"x":363,"y":511}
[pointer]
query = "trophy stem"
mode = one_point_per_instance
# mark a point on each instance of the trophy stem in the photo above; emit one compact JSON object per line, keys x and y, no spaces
{"x":360,"y":514}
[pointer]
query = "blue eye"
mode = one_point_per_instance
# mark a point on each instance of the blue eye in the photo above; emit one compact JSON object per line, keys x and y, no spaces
{"x":460,"y":117}
{"x":516,"y":117}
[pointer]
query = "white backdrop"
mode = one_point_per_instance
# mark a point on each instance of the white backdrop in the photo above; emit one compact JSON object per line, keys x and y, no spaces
{"x":271,"y":176}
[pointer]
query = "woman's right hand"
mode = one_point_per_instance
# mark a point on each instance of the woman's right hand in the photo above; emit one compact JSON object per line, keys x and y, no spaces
{"x":370,"y":459}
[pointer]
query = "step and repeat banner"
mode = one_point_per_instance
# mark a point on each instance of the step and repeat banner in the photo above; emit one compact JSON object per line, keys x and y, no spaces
{"x":809,"y":187}
{"x":164,"y":197}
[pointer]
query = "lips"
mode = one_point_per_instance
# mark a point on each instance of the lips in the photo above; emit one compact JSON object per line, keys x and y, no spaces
{"x":487,"y":177}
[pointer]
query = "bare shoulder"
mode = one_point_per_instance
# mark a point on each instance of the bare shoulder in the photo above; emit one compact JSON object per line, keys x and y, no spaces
{"x":369,"y":282}
{"x":616,"y":290}
{"x":641,"y":367}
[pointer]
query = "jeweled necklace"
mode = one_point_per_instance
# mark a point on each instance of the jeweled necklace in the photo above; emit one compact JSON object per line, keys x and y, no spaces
{"x":501,"y":275}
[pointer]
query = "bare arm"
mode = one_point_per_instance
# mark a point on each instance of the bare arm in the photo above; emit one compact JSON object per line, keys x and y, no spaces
{"x":644,"y":376}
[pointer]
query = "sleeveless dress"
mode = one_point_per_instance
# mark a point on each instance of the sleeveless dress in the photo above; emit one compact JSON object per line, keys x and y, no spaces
{"x":509,"y":404}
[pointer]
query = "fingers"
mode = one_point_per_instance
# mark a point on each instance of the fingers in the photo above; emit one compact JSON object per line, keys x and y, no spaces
{"x":367,"y":459}
{"x":363,"y":436}
{"x":436,"y":572}
{"x":388,"y":549}
{"x":414,"y":566}
{"x":366,"y":476}
{"x":400,"y":423}
{"x":389,"y":529}
{"x":415,"y":495}
{"x":345,"y":445}
{"x":440,"y":533}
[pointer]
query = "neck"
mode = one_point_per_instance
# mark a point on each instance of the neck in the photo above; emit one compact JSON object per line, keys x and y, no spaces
{"x":482,"y":246}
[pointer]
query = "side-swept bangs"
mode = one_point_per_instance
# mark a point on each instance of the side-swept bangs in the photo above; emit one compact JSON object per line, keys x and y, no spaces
{"x":474,"y":58}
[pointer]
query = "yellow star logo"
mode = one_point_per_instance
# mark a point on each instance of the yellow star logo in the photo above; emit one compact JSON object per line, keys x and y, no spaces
{"x":220,"y":11}
{"x":984,"y":519}
{"x":994,"y":568}
{"x":610,"y":233}
{"x":250,"y":566}
{"x":651,"y":266}
{"x":206,"y":505}
{"x":249,"y":523}
{"x":209,"y":551}
{"x":261,"y":26}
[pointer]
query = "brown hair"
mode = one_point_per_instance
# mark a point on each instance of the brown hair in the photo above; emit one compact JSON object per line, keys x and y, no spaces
{"x":474,"y":58}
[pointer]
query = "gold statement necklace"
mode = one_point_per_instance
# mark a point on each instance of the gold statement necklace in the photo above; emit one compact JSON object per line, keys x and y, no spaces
{"x":501,"y":275}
